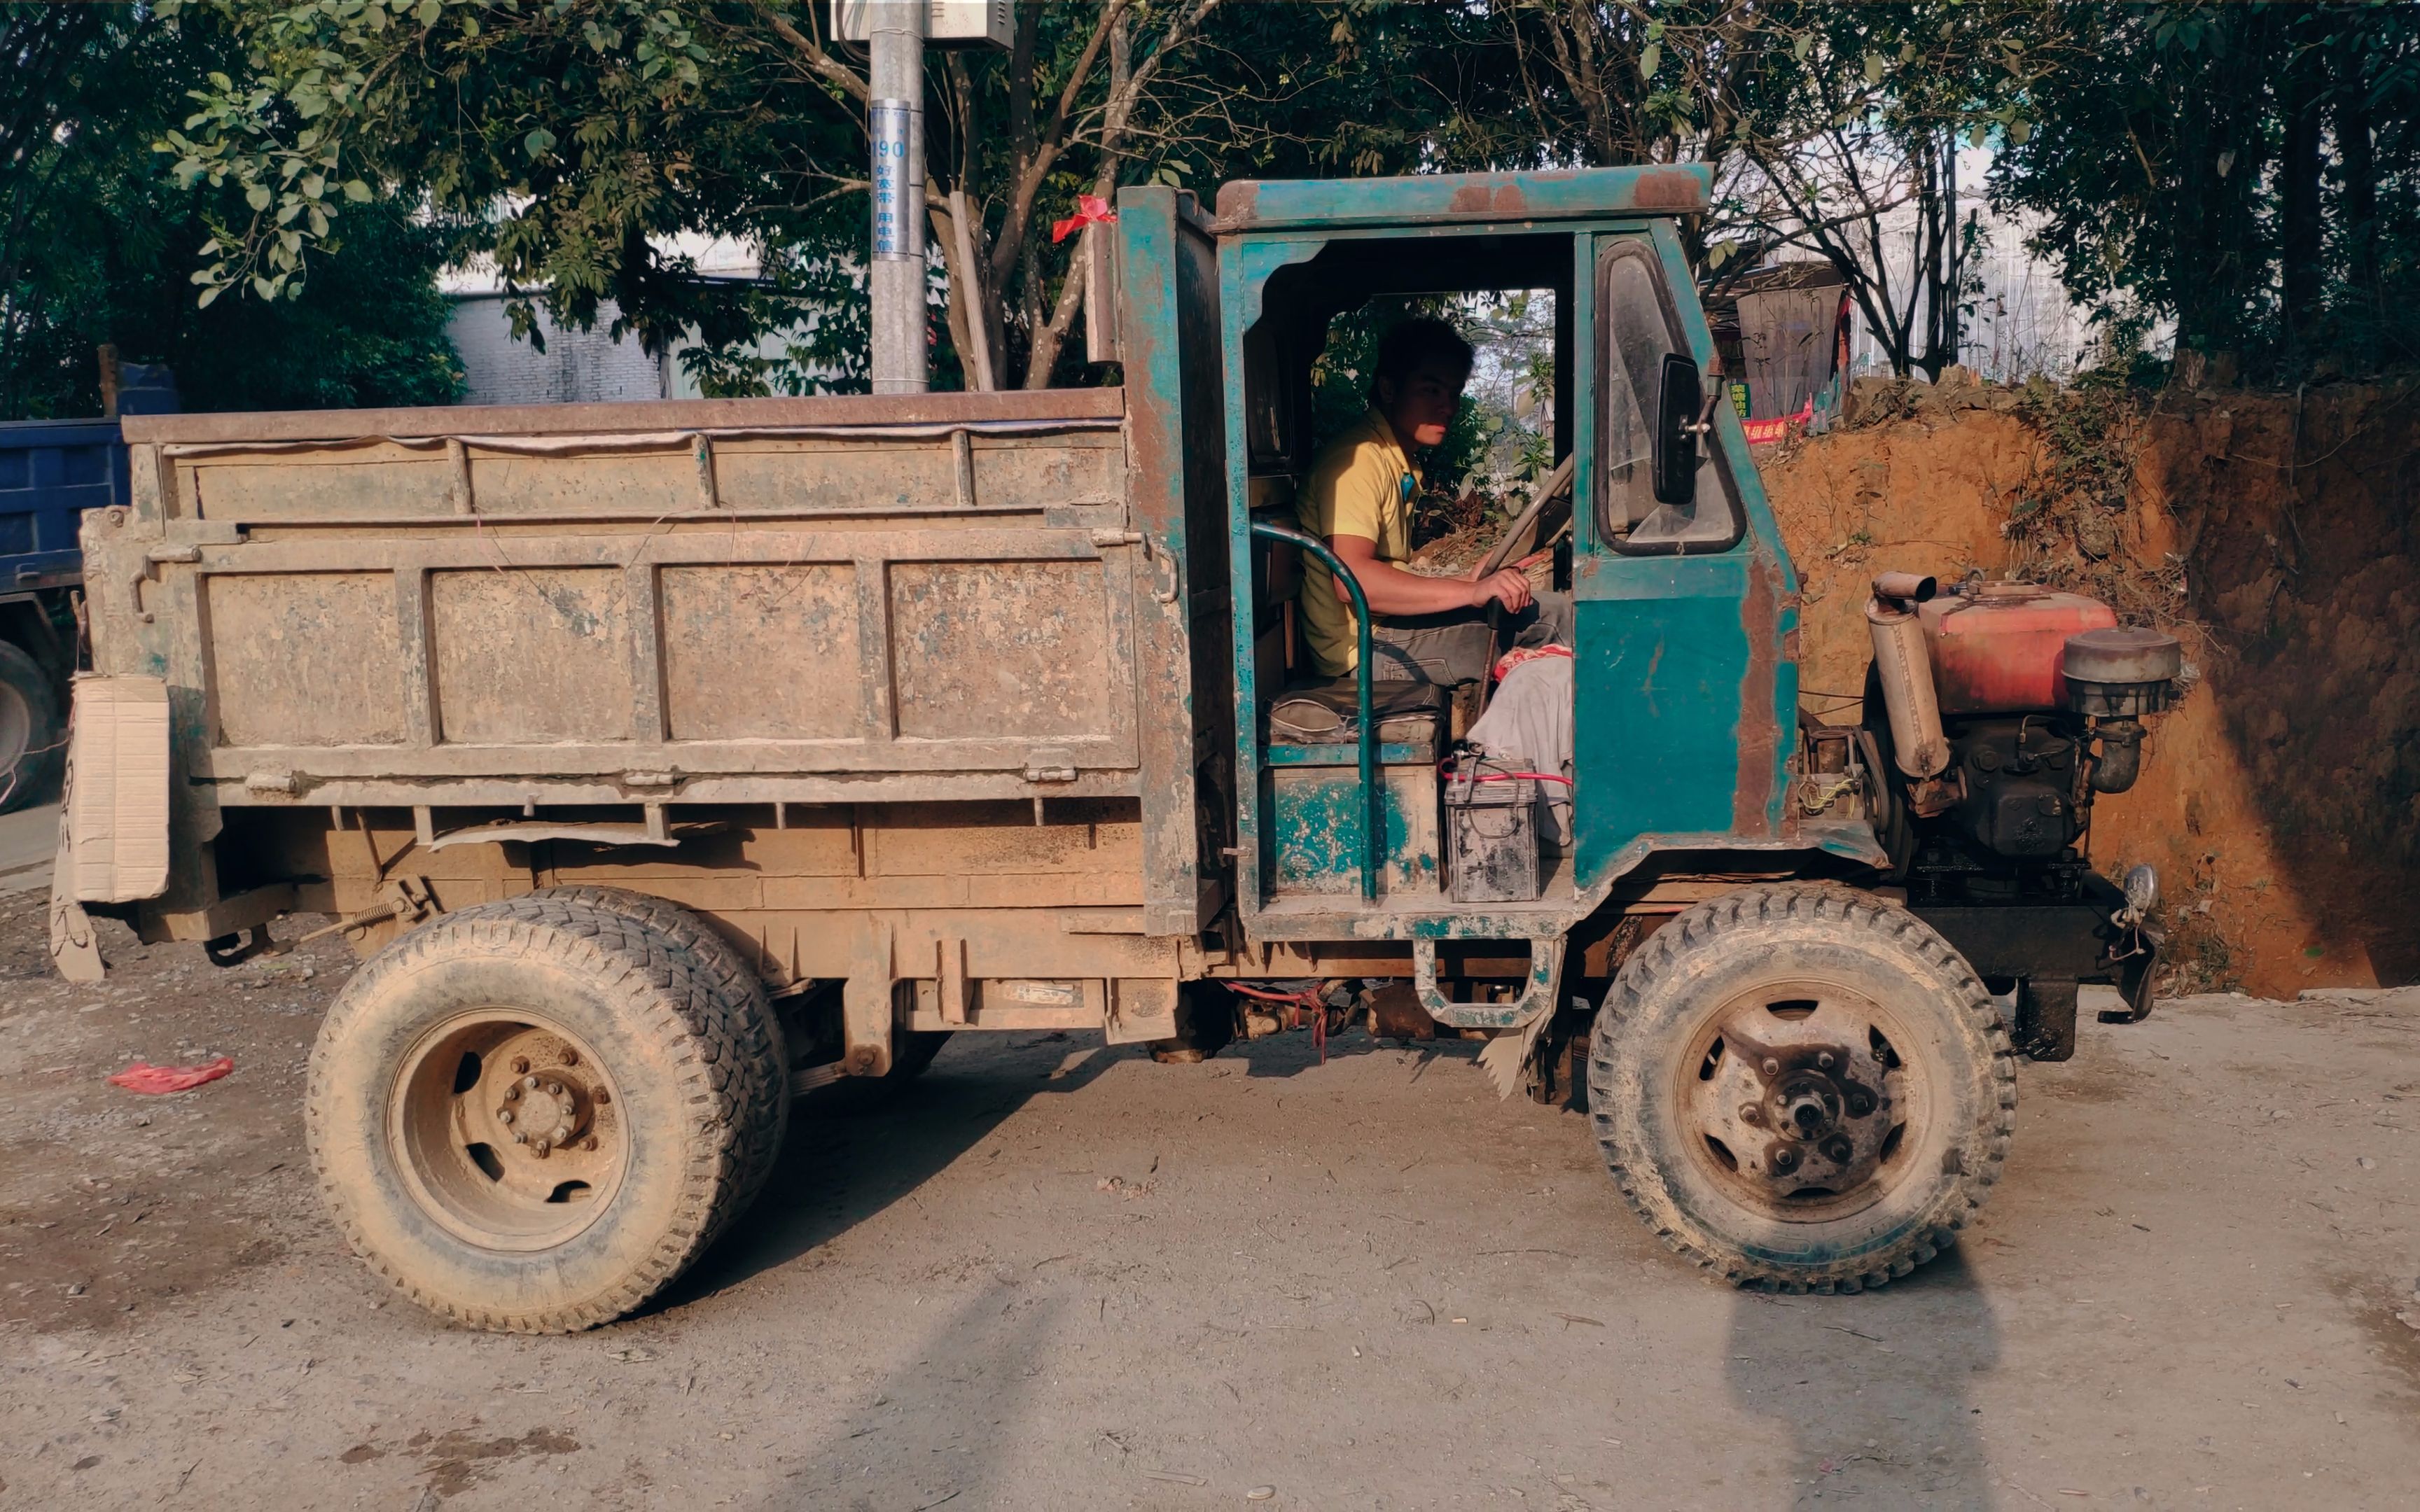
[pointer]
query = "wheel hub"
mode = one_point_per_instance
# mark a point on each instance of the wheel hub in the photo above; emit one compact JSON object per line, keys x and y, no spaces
{"x":1796,"y":1099}
{"x":510,"y":1132}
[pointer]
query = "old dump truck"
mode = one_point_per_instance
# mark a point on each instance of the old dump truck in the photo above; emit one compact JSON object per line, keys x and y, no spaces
{"x":668,"y":760}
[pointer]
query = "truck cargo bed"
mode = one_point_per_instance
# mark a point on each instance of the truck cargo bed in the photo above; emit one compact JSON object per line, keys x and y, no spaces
{"x":866,"y":599}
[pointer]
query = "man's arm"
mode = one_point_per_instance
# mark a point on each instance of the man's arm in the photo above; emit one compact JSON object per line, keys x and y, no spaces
{"x":1392,"y":590}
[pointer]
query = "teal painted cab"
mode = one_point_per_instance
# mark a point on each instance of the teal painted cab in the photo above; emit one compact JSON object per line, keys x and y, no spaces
{"x":1686,"y":618}
{"x":1686,"y":689}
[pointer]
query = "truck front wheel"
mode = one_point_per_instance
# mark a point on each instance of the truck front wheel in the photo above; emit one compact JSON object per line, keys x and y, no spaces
{"x":1802,"y":1088}
{"x":531,"y":1116}
{"x":32,"y":730}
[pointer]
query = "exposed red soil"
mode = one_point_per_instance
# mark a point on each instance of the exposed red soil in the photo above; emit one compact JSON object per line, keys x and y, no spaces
{"x":2281,"y":800}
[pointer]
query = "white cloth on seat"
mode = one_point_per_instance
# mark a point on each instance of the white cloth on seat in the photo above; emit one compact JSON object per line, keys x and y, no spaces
{"x":1528,"y":725}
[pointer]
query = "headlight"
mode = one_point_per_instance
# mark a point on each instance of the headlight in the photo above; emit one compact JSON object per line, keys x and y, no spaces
{"x":2142,"y":888}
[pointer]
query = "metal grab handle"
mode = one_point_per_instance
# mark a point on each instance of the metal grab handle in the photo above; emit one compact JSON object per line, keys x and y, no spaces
{"x":1373,"y":835}
{"x":1537,"y":994}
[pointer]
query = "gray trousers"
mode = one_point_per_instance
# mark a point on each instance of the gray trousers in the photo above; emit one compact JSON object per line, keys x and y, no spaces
{"x":1459,"y":646}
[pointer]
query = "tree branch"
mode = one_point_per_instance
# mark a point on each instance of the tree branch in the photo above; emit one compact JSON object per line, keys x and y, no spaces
{"x":822,"y":64}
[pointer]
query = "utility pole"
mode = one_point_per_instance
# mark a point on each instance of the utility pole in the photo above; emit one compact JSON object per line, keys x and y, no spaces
{"x":896,"y":126}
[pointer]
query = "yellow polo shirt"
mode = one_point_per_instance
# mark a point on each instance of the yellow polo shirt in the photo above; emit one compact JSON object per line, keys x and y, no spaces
{"x":1360,"y":483}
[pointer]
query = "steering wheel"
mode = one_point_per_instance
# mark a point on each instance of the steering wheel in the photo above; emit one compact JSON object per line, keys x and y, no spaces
{"x":1525,"y":531}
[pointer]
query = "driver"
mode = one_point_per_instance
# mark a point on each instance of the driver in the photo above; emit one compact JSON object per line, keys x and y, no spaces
{"x":1358,"y":498}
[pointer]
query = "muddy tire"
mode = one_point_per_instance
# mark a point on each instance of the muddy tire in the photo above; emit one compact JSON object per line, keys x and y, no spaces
{"x":531,"y":1116}
{"x":764,"y":1058}
{"x":1802,"y":1088}
{"x":33,"y":731}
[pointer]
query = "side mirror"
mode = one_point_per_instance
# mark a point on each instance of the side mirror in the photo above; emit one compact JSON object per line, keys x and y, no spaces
{"x":1680,"y":421}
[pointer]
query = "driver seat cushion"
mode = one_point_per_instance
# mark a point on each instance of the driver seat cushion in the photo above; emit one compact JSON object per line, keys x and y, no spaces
{"x":1321,"y":713}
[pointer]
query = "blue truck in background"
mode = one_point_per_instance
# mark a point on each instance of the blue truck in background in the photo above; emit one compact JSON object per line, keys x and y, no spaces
{"x":50,"y":471}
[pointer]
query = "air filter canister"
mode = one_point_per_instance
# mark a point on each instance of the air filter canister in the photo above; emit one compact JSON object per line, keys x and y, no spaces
{"x":2119,"y":673}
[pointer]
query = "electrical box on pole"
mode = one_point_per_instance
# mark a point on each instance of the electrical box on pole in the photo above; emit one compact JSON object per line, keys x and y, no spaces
{"x":895,"y":33}
{"x":947,"y":23}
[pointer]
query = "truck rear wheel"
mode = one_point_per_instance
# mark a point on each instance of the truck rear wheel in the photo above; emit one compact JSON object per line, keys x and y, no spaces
{"x":33,"y":731}
{"x":764,"y":1057}
{"x":1802,"y":1088}
{"x":531,"y":1116}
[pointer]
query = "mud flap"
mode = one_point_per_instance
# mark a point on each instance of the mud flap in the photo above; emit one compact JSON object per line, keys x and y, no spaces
{"x":2135,"y":978}
{"x":75,"y":952}
{"x":114,"y":820}
{"x":1506,"y":1057}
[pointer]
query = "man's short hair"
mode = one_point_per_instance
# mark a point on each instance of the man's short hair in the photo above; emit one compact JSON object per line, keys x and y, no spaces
{"x":1423,"y":338}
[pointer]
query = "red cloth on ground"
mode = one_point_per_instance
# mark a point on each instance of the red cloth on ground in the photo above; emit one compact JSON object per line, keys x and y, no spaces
{"x":145,"y":1077}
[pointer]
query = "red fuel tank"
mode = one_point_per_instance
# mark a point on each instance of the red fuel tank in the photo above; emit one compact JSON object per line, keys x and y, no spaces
{"x":1998,"y":648}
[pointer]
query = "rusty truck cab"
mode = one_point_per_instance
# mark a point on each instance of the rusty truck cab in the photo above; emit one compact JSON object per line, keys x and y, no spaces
{"x":1686,"y":616}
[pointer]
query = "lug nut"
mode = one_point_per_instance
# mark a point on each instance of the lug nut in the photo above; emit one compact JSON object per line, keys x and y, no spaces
{"x":530,"y":1082}
{"x":513,"y":1091}
{"x":1785,"y":1160}
{"x":554,"y":1088}
{"x":520,"y":1064}
{"x":503,"y":1115}
{"x":1750,"y":1113}
{"x":600,"y":1097}
{"x":1824,"y":1060}
{"x":562,"y":1134}
{"x":570,"y":1056}
{"x":1860,"y":1104}
{"x":520,"y":1137}
{"x":1772,"y":1066}
{"x":589,"y":1143}
{"x":1839,"y":1152}
{"x":541,"y":1146}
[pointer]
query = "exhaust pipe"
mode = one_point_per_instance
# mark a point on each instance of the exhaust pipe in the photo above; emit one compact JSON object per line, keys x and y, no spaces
{"x":1905,"y":672}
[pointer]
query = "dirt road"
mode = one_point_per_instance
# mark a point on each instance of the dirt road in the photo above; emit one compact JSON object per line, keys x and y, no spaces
{"x":1056,"y":1276}
{"x":27,"y":838}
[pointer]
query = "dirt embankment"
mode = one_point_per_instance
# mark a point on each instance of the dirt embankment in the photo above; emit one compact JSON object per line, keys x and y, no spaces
{"x":2274,"y":532}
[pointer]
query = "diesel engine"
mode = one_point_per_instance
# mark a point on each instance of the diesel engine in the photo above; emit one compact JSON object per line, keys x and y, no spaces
{"x":1996,"y":714}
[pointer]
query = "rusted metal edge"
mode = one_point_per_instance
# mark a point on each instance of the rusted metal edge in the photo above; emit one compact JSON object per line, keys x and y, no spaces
{"x":490,"y":790}
{"x":752,"y":514}
{"x":664,"y":441}
{"x":1849,"y":839}
{"x":941,"y":411}
{"x":656,"y":833}
{"x":1552,"y":194}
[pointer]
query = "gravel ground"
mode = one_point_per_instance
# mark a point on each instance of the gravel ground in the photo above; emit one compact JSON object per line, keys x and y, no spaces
{"x":1053,"y":1274}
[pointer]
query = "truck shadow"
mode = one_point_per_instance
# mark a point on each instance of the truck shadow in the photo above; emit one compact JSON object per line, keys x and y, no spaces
{"x":850,"y":1156}
{"x":947,"y":1424}
{"x":853,"y":1150}
{"x":1293,"y":1054}
{"x":1877,"y":1391}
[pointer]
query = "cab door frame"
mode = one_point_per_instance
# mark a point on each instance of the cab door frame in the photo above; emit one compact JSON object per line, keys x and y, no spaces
{"x":1687,"y":682}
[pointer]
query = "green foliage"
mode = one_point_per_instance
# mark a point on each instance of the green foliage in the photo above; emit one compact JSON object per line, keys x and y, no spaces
{"x":555,"y":137}
{"x":2251,"y":171}
{"x":101,"y":248}
{"x":573,"y":141}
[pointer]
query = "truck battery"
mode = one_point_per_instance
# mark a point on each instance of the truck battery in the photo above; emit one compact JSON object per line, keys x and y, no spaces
{"x":1491,"y":826}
